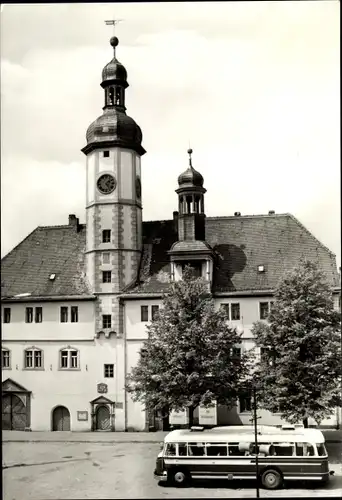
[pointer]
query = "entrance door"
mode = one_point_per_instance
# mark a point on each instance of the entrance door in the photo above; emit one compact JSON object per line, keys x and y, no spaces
{"x":102,"y":419}
{"x":14,"y":413}
{"x":61,"y":419}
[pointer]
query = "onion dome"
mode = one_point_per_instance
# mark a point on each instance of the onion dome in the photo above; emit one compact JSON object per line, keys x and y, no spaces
{"x":114,"y":71}
{"x":190,"y":177}
{"x":114,"y":125}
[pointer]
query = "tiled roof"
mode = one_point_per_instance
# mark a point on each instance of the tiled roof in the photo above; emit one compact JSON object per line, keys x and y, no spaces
{"x":240,"y":244}
{"x":48,"y":250}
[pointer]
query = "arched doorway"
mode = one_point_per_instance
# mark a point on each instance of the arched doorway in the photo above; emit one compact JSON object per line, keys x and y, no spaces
{"x":13,"y":413}
{"x":61,"y":419}
{"x":103,"y":418}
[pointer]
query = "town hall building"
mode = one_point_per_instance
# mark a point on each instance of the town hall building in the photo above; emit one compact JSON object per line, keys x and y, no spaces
{"x":76,"y":298}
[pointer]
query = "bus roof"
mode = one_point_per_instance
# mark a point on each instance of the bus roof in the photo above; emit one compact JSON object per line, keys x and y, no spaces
{"x":244,"y":433}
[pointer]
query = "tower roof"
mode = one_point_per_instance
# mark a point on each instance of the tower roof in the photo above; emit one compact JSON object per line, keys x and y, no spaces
{"x":114,"y":71}
{"x":114,"y":127}
{"x":190,"y":178}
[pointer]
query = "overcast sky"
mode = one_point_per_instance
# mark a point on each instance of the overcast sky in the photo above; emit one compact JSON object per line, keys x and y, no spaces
{"x":254,"y":87}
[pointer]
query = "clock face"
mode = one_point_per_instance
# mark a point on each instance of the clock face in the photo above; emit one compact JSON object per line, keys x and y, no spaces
{"x":106,"y":184}
{"x":138,"y":187}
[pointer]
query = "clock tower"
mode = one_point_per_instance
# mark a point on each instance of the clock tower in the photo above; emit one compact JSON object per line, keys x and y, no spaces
{"x":113,"y":198}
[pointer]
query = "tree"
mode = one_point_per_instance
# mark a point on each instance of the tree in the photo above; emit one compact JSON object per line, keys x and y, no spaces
{"x":300,"y":369}
{"x":190,"y":356}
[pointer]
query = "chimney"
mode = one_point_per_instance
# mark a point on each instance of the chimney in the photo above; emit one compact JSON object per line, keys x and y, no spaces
{"x":175,"y":222}
{"x":73,"y":221}
{"x":271,"y":212}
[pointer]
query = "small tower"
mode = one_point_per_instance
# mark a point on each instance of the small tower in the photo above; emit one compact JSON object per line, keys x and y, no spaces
{"x":191,"y":247}
{"x":113,"y":198}
{"x":191,"y":217}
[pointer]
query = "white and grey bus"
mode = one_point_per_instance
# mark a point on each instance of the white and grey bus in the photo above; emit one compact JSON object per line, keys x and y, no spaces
{"x":229,"y":453}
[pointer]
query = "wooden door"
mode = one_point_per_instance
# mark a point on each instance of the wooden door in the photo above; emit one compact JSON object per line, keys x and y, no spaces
{"x":61,"y":419}
{"x":102,"y":419}
{"x":14,"y":413}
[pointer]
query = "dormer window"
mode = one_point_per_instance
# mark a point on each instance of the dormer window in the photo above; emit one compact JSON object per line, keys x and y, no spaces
{"x":196,"y":268}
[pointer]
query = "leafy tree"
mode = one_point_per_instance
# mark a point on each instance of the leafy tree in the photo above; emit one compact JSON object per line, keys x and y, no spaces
{"x":300,"y":371}
{"x":189,"y":358}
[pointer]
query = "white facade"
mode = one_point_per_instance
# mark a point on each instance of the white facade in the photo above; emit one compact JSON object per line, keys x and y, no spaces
{"x":75,"y":389}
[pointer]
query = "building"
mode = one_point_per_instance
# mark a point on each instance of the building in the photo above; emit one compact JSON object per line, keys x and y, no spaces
{"x":76,"y":298}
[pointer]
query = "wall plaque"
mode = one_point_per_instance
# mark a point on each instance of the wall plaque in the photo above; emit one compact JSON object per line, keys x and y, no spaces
{"x":82,"y":415}
{"x":102,"y":388}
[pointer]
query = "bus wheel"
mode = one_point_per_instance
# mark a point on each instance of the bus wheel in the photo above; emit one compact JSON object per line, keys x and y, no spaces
{"x":179,"y":477}
{"x":271,"y":479}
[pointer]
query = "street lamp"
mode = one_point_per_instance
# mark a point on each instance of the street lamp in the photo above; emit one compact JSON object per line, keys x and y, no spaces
{"x":255,"y":419}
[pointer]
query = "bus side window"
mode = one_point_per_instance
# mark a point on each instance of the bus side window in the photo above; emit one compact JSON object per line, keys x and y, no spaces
{"x":322,"y":452}
{"x":283,"y":449}
{"x":171,"y":450}
{"x":216,"y":449}
{"x":234,"y":450}
{"x":182,"y":450}
{"x":300,"y":449}
{"x":310,"y":450}
{"x":196,"y":449}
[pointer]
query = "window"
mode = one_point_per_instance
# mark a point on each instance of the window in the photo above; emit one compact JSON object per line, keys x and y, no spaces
{"x":106,"y":154}
{"x":216,"y":449}
{"x":74,"y":314}
{"x":264,"y":306}
{"x":105,"y":258}
{"x":106,"y":321}
{"x":29,"y":315}
{"x":144,"y":313}
{"x":64,"y":314}
{"x":171,"y":449}
{"x":7,"y":314}
{"x":33,"y":358}
{"x":235,"y":311}
{"x":38,"y":314}
{"x":196,"y":449}
{"x":283,"y":449}
{"x":109,"y":371}
{"x":304,"y":450}
{"x":322,"y":452}
{"x":106,"y":236}
{"x":155,"y":310}
{"x":196,"y":268}
{"x":225,"y":308}
{"x":182,"y":449}
{"x":69,"y":359}
{"x":245,"y":401}
{"x":234,"y":450}
{"x":106,"y":276}
{"x":5,"y":358}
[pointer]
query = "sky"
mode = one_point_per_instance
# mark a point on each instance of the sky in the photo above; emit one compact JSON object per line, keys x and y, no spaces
{"x":253,"y":87}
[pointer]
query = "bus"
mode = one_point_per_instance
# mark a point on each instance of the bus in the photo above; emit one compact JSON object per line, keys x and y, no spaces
{"x":283,"y":454}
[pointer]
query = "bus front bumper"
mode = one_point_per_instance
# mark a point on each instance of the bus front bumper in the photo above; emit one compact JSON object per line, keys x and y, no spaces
{"x":160,"y":477}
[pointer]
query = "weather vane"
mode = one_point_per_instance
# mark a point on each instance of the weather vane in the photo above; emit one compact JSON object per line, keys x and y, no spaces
{"x":113,"y":22}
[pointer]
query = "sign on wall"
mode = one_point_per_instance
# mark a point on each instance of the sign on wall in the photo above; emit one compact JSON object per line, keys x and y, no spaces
{"x":208,"y":416}
{"x":82,"y":415}
{"x":102,"y":388}
{"x":179,"y":417}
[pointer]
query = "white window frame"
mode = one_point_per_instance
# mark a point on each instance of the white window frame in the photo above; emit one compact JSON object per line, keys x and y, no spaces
{"x":9,"y":357}
{"x":34,"y":350}
{"x":72,"y":354}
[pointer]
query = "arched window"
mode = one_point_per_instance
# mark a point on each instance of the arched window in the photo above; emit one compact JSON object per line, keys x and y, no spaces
{"x":5,"y":358}
{"x":33,"y":358}
{"x":69,"y":359}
